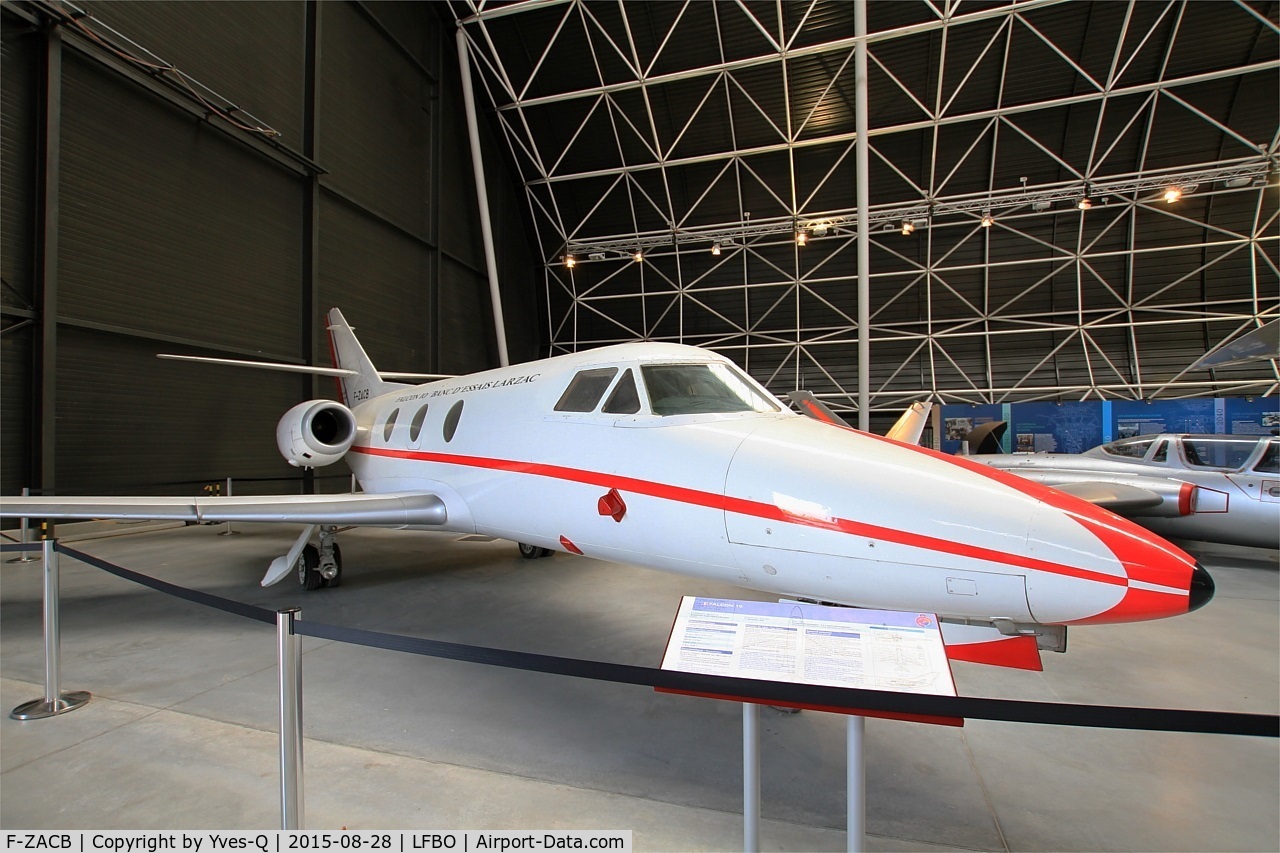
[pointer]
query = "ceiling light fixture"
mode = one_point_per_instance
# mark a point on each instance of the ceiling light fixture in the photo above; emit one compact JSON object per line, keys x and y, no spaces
{"x":715,"y":249}
{"x":570,"y":261}
{"x":1172,"y":194}
{"x":907,"y":227}
{"x":987,"y":220}
{"x":638,"y":256}
{"x":802,"y":237}
{"x":1084,"y":203}
{"x":1041,"y":206}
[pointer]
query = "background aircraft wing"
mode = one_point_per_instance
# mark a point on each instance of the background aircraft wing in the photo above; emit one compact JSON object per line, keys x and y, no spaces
{"x":1262,"y":343}
{"x":1119,"y":498}
{"x":813,"y":407}
{"x":392,"y":509}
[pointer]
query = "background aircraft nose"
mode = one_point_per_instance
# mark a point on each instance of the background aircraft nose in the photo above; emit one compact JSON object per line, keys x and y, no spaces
{"x":1201,"y":588}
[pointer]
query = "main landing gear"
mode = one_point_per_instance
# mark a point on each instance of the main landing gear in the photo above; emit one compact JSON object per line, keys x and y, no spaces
{"x":533,"y":552}
{"x":321,"y":566}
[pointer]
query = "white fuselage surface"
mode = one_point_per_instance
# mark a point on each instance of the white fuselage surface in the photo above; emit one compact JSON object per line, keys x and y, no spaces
{"x":756,"y":496}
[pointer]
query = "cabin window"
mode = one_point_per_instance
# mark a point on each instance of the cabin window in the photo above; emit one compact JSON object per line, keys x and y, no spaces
{"x":1162,"y":452}
{"x":451,"y":420}
{"x":586,"y":389}
{"x":1134,"y":448}
{"x":1270,"y":461}
{"x":625,"y":399}
{"x":686,"y":389}
{"x":1217,"y":451}
{"x":390,"y":426}
{"x":415,"y":425}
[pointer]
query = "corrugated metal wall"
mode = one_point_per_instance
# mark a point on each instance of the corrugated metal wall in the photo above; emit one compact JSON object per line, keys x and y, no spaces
{"x":176,"y":235}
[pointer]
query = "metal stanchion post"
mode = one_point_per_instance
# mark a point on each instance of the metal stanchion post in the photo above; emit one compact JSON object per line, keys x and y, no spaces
{"x":856,"y":786}
{"x":228,"y":531}
{"x":289,"y":648}
{"x":750,"y":777}
{"x":25,"y":556}
{"x":55,"y":701}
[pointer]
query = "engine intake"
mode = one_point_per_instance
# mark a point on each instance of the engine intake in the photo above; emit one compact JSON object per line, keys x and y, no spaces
{"x":315,"y":433}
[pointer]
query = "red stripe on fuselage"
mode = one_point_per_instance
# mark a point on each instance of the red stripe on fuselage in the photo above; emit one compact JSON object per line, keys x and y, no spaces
{"x":743,"y":506}
{"x":1133,"y":546}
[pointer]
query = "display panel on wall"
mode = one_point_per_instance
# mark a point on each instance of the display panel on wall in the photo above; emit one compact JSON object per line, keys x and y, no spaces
{"x":1077,"y":426}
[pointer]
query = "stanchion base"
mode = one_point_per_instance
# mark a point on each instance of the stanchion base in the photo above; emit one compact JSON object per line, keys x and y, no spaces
{"x":24,"y":559}
{"x":229,"y":533}
{"x":38,"y":709}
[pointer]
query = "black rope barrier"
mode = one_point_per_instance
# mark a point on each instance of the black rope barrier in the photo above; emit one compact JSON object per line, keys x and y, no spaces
{"x":839,"y":698}
{"x":239,"y":608}
{"x":739,"y":689}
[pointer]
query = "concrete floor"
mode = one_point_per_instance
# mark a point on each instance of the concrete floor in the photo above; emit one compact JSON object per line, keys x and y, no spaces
{"x":181,"y":730}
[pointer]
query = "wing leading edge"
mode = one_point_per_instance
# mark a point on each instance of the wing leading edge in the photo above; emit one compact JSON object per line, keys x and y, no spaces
{"x":395,"y":509}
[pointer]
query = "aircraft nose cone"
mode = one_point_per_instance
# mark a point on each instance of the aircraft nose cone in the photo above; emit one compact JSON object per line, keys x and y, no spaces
{"x":1201,"y":588}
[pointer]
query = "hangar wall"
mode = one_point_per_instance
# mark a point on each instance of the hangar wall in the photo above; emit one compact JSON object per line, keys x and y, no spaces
{"x":165,"y":229}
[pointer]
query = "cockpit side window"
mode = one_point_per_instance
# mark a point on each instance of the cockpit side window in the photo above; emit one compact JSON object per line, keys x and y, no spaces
{"x":1133,"y":448}
{"x":625,"y":399}
{"x":586,"y":389}
{"x":686,"y":389}
{"x":1162,"y":453}
{"x":1270,"y":461}
{"x":1218,"y":451}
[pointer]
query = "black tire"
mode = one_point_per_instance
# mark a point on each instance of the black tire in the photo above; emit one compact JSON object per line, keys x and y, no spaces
{"x":533,"y":552}
{"x":309,"y":577}
{"x":336,"y":580}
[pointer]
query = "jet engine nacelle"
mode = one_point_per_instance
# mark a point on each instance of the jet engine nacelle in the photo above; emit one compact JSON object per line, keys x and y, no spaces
{"x":315,"y":433}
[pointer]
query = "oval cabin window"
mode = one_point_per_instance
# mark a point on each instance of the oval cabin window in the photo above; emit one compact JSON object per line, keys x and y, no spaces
{"x":451,"y":420}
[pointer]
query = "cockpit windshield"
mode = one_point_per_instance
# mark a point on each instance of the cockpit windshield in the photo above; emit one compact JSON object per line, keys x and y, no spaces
{"x":1133,"y":448}
{"x":686,"y":389}
{"x":1270,"y":461}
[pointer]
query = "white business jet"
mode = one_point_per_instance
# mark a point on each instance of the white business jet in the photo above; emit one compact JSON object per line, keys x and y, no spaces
{"x":670,"y":457}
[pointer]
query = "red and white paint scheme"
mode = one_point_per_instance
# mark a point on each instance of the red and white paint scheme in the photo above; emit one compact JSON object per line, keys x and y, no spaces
{"x":670,"y":457}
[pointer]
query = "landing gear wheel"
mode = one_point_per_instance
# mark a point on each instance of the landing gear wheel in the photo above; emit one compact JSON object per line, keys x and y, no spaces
{"x":309,"y":577}
{"x":533,"y":552}
{"x":336,"y":580}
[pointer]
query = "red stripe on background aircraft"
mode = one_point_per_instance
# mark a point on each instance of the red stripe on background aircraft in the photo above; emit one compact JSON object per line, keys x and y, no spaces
{"x":670,"y":457}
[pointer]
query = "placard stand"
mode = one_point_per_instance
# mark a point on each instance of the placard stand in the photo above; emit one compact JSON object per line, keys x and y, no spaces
{"x":750,"y":777}
{"x":855,"y":786}
{"x":810,"y":644}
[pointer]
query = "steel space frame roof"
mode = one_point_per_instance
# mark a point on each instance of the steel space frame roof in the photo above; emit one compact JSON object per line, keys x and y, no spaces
{"x":666,"y":129}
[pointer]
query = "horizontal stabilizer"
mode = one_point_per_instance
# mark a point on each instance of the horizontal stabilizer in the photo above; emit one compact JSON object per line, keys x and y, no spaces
{"x":393,"y":510}
{"x":305,"y":368}
{"x":264,"y":365}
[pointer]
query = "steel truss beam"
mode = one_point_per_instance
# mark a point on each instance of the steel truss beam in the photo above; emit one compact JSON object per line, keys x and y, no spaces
{"x":1045,"y":303}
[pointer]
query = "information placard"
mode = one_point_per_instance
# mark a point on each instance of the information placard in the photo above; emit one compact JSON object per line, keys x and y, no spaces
{"x":810,"y":644}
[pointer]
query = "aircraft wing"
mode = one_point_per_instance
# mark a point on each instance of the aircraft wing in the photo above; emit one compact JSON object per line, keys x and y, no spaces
{"x":394,"y":509}
{"x":1119,"y":498}
{"x":1262,"y":343}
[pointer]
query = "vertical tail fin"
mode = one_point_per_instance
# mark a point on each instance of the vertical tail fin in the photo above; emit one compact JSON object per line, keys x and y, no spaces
{"x":349,"y":355}
{"x":910,"y":426}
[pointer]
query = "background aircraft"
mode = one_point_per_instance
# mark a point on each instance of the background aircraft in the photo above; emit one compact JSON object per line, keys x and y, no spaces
{"x":668,"y":456}
{"x":1213,"y":488}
